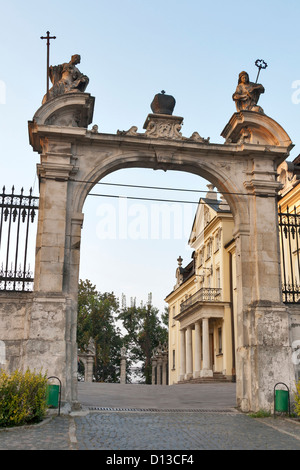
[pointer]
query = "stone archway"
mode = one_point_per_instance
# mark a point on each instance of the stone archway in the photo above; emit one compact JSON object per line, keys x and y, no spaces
{"x":73,"y":159}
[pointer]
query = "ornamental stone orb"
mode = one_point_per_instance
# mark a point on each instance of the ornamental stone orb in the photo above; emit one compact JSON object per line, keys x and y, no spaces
{"x":163,"y":104}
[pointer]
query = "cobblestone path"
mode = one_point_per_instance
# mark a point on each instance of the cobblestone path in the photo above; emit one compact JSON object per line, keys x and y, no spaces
{"x":155,"y":431}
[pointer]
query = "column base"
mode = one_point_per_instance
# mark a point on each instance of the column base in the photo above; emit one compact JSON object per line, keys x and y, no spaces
{"x":196,"y":374}
{"x":206,"y":373}
{"x":188,"y":376}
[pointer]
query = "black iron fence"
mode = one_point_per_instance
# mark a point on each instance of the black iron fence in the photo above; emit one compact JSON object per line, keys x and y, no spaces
{"x":17,"y":218}
{"x":289,"y":234}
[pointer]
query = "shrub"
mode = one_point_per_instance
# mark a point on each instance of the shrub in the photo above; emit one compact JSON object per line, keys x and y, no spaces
{"x":22,"y":398}
{"x":260,"y":414}
{"x":297,"y":399}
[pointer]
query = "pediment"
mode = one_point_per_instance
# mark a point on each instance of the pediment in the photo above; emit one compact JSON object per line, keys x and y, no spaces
{"x":250,"y":127}
{"x":68,"y":110}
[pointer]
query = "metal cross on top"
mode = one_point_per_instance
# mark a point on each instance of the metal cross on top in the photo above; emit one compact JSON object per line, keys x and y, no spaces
{"x":48,"y":37}
{"x":261,"y":64}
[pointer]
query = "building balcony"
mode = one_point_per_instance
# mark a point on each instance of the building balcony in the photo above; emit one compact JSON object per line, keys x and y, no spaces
{"x":206,"y":294}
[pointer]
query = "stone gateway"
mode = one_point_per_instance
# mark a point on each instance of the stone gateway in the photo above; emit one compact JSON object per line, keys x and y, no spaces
{"x":73,"y":159}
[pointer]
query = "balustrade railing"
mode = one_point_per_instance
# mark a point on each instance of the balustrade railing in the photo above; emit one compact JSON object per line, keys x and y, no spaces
{"x":206,"y":294}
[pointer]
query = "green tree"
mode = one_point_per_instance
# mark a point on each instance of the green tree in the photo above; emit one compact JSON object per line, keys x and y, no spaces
{"x":144,"y":332}
{"x":97,"y":315}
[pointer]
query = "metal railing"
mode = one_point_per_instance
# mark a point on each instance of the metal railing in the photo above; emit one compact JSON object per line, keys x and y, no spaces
{"x":17,"y":215}
{"x":289,"y":234}
{"x":206,"y":294}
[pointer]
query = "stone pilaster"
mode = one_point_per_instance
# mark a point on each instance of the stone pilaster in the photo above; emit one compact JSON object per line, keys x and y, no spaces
{"x":189,"y":354}
{"x":182,"y":355}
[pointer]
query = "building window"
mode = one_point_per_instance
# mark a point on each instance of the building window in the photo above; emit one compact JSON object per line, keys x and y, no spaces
{"x":173,"y":315}
{"x":173,"y":358}
{"x":218,"y":240}
{"x":209,"y":249}
{"x":206,"y":215}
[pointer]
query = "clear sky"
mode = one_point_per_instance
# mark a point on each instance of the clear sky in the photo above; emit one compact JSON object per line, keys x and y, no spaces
{"x":131,"y":50}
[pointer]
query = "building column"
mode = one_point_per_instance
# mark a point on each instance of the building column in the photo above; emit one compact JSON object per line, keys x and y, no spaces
{"x":197,"y":350}
{"x":182,"y":355}
{"x":206,"y":370}
{"x":189,"y":353}
{"x":164,"y":367}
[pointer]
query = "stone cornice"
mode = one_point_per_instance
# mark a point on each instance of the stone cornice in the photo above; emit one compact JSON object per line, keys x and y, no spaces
{"x":141,"y":141}
{"x":56,"y":171}
{"x":201,"y":310}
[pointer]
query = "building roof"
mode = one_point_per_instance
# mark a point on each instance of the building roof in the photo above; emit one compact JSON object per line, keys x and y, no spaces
{"x":217,"y":205}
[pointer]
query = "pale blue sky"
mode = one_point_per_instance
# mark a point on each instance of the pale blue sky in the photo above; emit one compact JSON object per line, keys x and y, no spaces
{"x":131,"y":50}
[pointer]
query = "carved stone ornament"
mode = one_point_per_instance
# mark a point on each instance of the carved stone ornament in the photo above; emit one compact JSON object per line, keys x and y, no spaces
{"x":288,"y":175}
{"x":131,"y":131}
{"x":245,"y":136}
{"x":197,"y":138}
{"x":66,"y":78}
{"x":163,"y":126}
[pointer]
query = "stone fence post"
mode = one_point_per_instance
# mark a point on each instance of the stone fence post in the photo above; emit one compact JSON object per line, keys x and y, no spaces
{"x":123,"y":366}
{"x":88,"y":360}
{"x":159,"y":362}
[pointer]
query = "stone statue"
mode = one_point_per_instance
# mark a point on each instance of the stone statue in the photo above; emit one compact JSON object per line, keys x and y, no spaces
{"x":66,"y":78}
{"x":247,"y":94}
{"x":91,"y":346}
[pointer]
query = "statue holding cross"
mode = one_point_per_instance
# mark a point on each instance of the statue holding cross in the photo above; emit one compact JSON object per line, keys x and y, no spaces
{"x":66,"y":78}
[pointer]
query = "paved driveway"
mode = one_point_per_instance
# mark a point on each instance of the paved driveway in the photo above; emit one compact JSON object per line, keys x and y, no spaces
{"x":127,"y":420}
{"x":217,"y":396}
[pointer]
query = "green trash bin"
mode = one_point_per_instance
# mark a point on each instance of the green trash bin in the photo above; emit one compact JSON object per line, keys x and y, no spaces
{"x":52,"y":395}
{"x":281,"y":401}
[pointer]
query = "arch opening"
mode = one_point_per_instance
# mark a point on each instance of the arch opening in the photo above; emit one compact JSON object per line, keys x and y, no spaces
{"x":145,"y":254}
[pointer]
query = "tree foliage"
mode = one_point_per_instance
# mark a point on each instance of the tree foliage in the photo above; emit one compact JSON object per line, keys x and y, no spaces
{"x":97,"y":319}
{"x":142,"y":327}
{"x":144,"y":331}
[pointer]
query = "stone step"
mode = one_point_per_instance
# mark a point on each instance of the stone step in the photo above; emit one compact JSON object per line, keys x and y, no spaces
{"x":217,"y":377}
